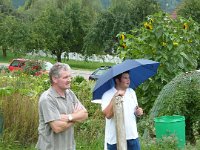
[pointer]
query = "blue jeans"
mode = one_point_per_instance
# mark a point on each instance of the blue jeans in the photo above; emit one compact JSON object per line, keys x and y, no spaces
{"x":133,"y":144}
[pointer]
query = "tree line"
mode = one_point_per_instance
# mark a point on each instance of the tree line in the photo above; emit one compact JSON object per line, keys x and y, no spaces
{"x":58,"y":26}
{"x":82,"y":26}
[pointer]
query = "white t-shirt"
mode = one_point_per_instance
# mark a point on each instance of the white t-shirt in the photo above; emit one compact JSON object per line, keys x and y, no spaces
{"x":129,"y":105}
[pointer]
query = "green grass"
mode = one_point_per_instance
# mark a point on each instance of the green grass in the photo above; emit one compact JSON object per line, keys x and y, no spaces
{"x":86,"y":65}
{"x":75,"y":64}
{"x":7,"y":59}
{"x":15,"y":146}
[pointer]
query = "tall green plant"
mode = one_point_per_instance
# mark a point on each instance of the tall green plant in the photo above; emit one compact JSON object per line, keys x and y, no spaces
{"x":19,"y":95}
{"x":172,"y":42}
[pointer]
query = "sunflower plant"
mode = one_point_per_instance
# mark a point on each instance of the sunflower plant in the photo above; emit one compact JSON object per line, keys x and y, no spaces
{"x":172,"y":42}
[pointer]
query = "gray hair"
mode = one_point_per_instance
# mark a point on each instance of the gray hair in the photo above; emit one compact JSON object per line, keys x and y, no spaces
{"x":56,"y":68}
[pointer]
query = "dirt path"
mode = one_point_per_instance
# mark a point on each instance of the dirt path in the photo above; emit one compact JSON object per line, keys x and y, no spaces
{"x":83,"y":73}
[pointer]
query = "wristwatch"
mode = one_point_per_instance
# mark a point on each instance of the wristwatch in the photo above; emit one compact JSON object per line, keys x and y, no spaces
{"x":70,"y":117}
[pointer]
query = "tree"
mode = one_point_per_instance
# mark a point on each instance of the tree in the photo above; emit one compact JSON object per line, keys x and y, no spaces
{"x":13,"y":34}
{"x":172,"y":42}
{"x":60,"y":30}
{"x":190,"y":9}
{"x":6,"y":10}
{"x":121,"y":16}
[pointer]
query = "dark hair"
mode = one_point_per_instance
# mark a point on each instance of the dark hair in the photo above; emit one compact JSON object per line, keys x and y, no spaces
{"x":119,"y":76}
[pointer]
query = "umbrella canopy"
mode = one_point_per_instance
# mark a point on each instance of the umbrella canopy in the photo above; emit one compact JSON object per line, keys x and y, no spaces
{"x":139,"y":71}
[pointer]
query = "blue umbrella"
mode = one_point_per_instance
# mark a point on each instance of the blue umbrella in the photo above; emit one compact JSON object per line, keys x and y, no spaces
{"x":139,"y":71}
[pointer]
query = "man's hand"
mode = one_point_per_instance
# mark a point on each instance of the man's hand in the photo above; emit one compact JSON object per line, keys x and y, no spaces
{"x":120,"y":93}
{"x":62,"y":124}
{"x":138,"y":111}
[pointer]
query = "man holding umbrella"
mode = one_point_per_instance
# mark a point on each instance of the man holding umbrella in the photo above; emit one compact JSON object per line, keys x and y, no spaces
{"x":116,"y":86}
{"x":131,"y":111}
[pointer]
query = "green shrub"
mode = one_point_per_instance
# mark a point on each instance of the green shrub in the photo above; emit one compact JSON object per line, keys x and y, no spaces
{"x":181,"y":96}
{"x":166,"y":143}
{"x":3,"y":69}
{"x":79,"y":79}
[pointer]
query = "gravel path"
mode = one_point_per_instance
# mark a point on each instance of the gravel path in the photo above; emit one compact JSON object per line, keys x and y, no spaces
{"x":83,"y":73}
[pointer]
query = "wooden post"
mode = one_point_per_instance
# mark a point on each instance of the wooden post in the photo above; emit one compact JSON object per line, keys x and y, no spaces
{"x":119,"y":121}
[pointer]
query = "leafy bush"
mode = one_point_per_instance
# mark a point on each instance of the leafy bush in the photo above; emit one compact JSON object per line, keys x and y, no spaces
{"x":181,"y":96}
{"x":79,"y":79}
{"x":190,"y":9}
{"x":3,"y":69}
{"x":166,"y":143}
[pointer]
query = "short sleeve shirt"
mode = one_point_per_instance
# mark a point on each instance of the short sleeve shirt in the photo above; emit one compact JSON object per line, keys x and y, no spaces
{"x":51,"y":105}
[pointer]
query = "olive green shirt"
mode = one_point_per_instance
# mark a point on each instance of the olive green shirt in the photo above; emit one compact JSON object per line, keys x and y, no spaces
{"x":51,"y":105}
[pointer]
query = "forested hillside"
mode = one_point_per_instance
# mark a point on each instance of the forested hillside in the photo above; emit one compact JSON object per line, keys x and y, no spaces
{"x":17,"y":3}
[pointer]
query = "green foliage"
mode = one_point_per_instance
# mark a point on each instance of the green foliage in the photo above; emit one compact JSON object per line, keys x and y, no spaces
{"x":166,"y":143}
{"x":20,"y":97}
{"x":181,"y":96}
{"x":87,"y":65}
{"x":121,"y":16}
{"x":6,"y":7}
{"x":190,"y":9}
{"x":60,"y":29}
{"x":60,"y":26}
{"x":79,"y":79}
{"x":172,"y":42}
{"x":13,"y":34}
{"x":4,"y":69}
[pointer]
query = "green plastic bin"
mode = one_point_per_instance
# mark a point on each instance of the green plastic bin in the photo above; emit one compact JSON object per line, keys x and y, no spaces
{"x":171,"y":125}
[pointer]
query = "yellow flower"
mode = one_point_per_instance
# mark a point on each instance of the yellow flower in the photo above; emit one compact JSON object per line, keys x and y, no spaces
{"x":124,"y":45}
{"x":122,"y":37}
{"x":148,"y":25}
{"x":175,"y":43}
{"x":151,"y":20}
{"x":185,"y":26}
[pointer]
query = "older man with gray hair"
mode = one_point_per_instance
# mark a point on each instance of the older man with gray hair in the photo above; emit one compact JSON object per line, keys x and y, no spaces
{"x":59,"y":110}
